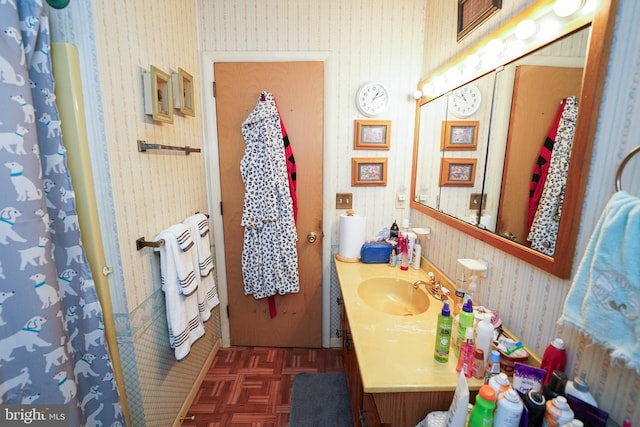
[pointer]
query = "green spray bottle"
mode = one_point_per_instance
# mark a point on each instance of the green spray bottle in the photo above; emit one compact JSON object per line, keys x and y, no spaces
{"x":443,"y":334}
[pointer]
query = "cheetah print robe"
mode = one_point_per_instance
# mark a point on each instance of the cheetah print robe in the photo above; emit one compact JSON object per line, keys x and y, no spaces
{"x":269,"y":255}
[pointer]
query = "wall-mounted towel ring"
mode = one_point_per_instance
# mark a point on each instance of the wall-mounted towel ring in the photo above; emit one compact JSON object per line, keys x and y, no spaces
{"x":623,"y":163}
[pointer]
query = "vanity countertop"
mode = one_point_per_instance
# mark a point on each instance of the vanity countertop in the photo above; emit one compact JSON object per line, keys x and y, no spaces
{"x":395,"y":353}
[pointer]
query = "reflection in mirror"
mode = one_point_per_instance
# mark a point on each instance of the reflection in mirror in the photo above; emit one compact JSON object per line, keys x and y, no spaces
{"x":519,"y":104}
{"x":512,"y":115}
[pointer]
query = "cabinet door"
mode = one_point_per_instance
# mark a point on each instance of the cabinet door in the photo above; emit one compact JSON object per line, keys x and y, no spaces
{"x":369,"y":414}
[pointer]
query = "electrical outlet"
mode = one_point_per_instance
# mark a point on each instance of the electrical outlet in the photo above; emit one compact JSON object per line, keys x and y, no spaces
{"x":344,"y":201}
{"x":474,"y":201}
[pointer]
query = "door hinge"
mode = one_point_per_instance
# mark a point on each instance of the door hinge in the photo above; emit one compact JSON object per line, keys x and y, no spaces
{"x":227,"y":311}
{"x":220,"y":207}
{"x":213,"y":85}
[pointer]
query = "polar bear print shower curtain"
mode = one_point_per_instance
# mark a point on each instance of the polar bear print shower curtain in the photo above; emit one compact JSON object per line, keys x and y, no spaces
{"x":53,"y":352}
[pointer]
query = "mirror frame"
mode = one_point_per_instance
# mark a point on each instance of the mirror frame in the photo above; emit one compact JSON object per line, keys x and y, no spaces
{"x":602,"y":24}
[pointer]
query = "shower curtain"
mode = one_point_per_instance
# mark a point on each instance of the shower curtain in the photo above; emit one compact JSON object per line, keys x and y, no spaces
{"x":52,"y":346}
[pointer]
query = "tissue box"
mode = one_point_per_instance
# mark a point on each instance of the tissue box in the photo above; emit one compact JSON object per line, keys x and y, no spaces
{"x":375,"y":252}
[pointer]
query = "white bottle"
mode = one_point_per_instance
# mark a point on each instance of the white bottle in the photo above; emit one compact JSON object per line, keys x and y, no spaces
{"x":484,"y":336}
{"x":411,"y":242}
{"x":580,"y":388}
{"x":417,"y":255}
{"x":509,"y":410}
{"x":500,"y":384}
{"x":574,"y":423}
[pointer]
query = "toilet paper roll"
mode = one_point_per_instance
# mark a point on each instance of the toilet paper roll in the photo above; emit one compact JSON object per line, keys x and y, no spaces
{"x":350,"y":237}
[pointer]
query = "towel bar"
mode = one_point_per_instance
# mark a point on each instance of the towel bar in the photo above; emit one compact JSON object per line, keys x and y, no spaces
{"x":141,"y":243}
{"x":143,"y":146}
{"x":623,"y":163}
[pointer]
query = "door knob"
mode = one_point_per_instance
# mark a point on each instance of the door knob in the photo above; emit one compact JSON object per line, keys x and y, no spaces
{"x":312,"y":236}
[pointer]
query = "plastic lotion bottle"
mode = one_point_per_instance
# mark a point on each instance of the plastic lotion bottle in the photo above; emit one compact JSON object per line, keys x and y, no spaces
{"x":482,"y":412}
{"x":465,"y":361}
{"x":417,"y":255}
{"x":493,"y":366}
{"x":465,"y":321}
{"x":443,"y":334}
{"x":484,"y":335}
{"x":509,"y":410}
{"x":580,"y":388}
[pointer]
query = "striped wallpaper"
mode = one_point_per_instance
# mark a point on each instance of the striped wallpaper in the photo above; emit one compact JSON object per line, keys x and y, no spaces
{"x":394,"y":42}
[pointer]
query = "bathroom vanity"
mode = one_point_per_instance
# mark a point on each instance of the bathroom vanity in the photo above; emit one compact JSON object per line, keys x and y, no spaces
{"x":388,"y":341}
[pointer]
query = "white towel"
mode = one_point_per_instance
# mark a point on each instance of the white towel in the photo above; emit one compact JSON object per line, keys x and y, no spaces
{"x":183,"y":318}
{"x":202,"y":260}
{"x":180,"y":234}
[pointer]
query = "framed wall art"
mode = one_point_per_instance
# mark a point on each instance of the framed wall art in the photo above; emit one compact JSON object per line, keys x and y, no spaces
{"x":183,"y":92}
{"x":459,"y":135}
{"x":158,"y":95}
{"x":372,"y":134}
{"x":472,"y":13}
{"x":368,"y":171}
{"x":457,"y":172}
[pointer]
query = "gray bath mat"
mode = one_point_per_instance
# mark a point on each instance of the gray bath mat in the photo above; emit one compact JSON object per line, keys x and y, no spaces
{"x":320,"y":400}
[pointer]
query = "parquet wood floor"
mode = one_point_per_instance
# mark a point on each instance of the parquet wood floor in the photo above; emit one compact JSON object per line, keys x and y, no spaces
{"x":251,"y":386}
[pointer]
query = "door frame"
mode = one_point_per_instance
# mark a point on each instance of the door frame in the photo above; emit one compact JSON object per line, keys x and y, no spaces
{"x":210,"y":124}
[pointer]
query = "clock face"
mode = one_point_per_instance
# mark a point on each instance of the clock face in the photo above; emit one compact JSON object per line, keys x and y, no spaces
{"x":465,"y":101}
{"x":372,"y":99}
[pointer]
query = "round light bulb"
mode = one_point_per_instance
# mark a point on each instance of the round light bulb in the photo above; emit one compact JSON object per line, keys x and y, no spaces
{"x":564,"y":8}
{"x":525,"y":29}
{"x":428,"y":89}
{"x":417,"y":94}
{"x":472,"y":61}
{"x":495,"y":47}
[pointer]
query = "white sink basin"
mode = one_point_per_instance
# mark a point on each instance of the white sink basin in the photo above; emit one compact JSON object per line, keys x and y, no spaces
{"x":393,"y":296}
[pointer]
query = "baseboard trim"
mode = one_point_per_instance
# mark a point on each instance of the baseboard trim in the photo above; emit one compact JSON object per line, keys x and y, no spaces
{"x":196,"y":386}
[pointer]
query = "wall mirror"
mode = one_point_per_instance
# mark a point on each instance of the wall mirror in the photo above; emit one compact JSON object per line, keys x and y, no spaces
{"x":509,"y":106}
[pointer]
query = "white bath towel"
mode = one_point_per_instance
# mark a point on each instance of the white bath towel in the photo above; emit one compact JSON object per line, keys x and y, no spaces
{"x":202,"y":260}
{"x":183,"y":315}
{"x":180,"y":235}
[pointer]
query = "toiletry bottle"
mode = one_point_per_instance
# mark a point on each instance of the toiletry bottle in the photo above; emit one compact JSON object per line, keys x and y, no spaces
{"x":443,"y":334}
{"x":556,"y":385}
{"x":558,"y":412}
{"x":417,"y":255}
{"x":458,"y":299}
{"x":536,"y":405}
{"x":403,"y":246}
{"x":509,"y":410}
{"x":482,"y":412}
{"x":580,"y":388}
{"x":493,"y":366}
{"x":574,"y":423}
{"x":484,"y":336}
{"x":626,"y":423}
{"x":392,"y":258}
{"x":500,"y":384}
{"x":411,"y":242}
{"x":554,"y":358}
{"x":478,"y":364}
{"x":393,"y":232}
{"x":465,"y":361}
{"x":465,"y":321}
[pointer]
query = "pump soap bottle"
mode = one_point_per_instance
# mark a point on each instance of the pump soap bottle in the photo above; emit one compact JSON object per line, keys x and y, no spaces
{"x":443,"y":334}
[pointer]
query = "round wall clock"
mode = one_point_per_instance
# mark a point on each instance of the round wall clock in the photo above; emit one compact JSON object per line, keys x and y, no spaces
{"x":372,"y":99}
{"x":465,"y":101}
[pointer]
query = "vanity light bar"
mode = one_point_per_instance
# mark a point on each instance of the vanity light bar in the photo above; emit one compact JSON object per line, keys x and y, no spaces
{"x":531,"y":29}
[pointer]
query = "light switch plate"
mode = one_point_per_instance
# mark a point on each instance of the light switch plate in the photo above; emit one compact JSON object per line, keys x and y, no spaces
{"x":344,"y":200}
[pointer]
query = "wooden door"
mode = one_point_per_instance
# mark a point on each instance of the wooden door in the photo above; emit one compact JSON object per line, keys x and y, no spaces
{"x":298,"y":88}
{"x":537,"y":94}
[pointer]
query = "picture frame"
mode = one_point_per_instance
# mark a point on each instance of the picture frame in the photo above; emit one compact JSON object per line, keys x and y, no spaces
{"x":459,"y":135}
{"x":158,"y":95}
{"x":472,"y":13}
{"x":183,"y":92}
{"x":372,"y":135}
{"x":368,"y":171}
{"x":457,"y":172}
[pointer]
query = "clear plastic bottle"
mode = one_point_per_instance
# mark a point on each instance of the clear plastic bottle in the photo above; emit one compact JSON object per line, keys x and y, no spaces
{"x":465,"y":361}
{"x":482,"y":412}
{"x":443,"y":334}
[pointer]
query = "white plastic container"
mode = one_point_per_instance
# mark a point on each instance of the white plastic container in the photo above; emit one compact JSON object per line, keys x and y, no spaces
{"x":484,"y":336}
{"x":509,"y":410}
{"x":417,"y":255}
{"x":558,"y":412}
{"x":574,"y":423}
{"x":580,"y":388}
{"x":500,"y":384}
